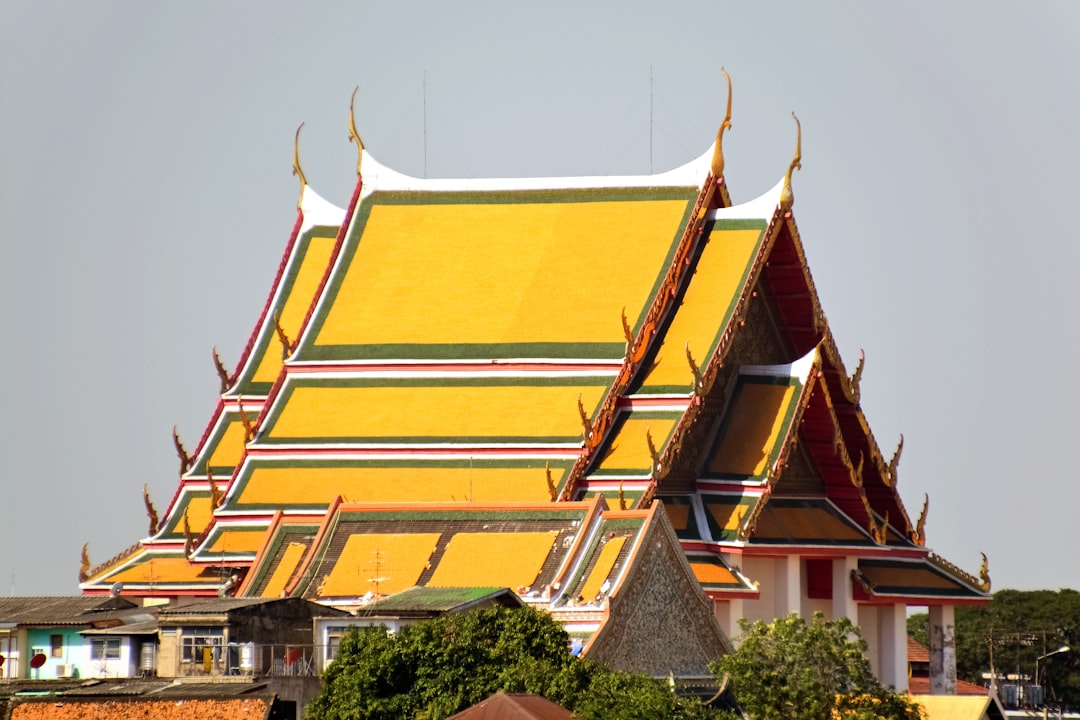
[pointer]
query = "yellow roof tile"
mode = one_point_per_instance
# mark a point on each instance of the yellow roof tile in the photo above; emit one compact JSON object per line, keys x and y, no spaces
{"x":290,"y":559}
{"x":701,"y":318}
{"x":382,"y":563}
{"x":510,"y":560}
{"x":753,"y":428}
{"x":452,"y":273}
{"x":321,"y":485}
{"x":399,"y":412}
{"x":604,"y":564}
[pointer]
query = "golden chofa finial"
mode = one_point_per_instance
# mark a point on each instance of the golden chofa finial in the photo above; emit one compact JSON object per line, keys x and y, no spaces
{"x":718,"y":151}
{"x":353,"y":135}
{"x":296,"y":170}
{"x":787,"y":198}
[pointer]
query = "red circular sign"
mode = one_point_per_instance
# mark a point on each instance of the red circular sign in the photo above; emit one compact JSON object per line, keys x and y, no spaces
{"x":38,"y":660}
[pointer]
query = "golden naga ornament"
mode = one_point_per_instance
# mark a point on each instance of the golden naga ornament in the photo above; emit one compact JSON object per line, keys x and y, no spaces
{"x":296,"y":169}
{"x":353,"y":135}
{"x":189,"y":539}
{"x":718,"y":151}
{"x":249,"y":427}
{"x":699,"y":380}
{"x":787,"y":197}
{"x":223,"y":374}
{"x":151,"y":511}
{"x":185,"y":459}
{"x":920,"y":526}
{"x":215,"y":492}
{"x":984,"y":574}
{"x":653,"y":455}
{"x":552,"y":490}
{"x":84,"y":567}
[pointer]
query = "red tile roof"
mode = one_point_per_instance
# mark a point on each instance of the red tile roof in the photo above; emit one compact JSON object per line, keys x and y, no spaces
{"x":59,"y":708}
{"x":921,"y":686}
{"x":916,"y":652}
{"x":513,"y":707}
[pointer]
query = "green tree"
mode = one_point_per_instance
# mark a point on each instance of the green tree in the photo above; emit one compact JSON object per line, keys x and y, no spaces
{"x":1019,"y":626}
{"x":436,"y":668}
{"x":812,"y":671}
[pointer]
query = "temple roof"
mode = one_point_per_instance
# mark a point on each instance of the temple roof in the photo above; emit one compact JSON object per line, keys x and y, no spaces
{"x":489,"y":382}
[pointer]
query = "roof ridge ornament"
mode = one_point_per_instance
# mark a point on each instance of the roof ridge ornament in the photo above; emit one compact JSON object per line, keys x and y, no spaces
{"x":296,"y":169}
{"x":920,"y":526}
{"x":787,"y":198}
{"x":151,"y":511}
{"x":185,"y":459}
{"x":552,"y":490}
{"x":699,"y":380}
{"x":718,"y":151}
{"x":984,"y":574}
{"x":189,"y":539}
{"x":84,"y":567}
{"x":353,"y":135}
{"x":215,"y":493}
{"x":717,"y":166}
{"x":223,"y":374}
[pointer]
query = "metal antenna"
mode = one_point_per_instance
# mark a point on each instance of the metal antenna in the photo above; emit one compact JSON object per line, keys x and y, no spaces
{"x":425,"y":123}
{"x":650,"y":120}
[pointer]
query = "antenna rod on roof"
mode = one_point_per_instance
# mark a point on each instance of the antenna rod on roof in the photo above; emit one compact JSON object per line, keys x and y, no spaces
{"x":650,"y":119}
{"x":425,"y":123}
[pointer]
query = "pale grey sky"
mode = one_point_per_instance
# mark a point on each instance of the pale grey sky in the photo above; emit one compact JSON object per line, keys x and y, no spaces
{"x":146,"y":197}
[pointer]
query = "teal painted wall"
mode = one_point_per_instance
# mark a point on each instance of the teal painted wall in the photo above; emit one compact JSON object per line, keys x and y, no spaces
{"x":38,"y":640}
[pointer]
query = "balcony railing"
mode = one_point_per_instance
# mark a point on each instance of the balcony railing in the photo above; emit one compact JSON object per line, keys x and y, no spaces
{"x":251,"y":660}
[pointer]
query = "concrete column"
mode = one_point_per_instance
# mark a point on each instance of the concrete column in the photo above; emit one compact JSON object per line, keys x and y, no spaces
{"x":788,"y":583}
{"x":892,"y":636}
{"x":843,"y":601}
{"x":727,"y":613}
{"x":942,"y":650}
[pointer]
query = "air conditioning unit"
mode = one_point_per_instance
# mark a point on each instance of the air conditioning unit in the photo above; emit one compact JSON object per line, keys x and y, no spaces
{"x":61,"y":670}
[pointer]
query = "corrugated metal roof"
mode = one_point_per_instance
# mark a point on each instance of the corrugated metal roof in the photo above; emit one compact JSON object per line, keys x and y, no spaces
{"x":220,"y":605}
{"x":65,"y":610}
{"x":436,"y":599}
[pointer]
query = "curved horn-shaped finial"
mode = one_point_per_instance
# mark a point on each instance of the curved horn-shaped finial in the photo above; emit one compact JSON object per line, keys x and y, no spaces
{"x":895,"y":462}
{"x":653,"y":454}
{"x":189,"y":539}
{"x":296,"y":169}
{"x":223,"y":374}
{"x":920,"y":526}
{"x":84,"y":565}
{"x":787,"y":197}
{"x":353,"y":135}
{"x":181,"y":452}
{"x":718,"y":151}
{"x":151,"y":511}
{"x":699,"y":380}
{"x":984,"y":574}
{"x":552,"y":490}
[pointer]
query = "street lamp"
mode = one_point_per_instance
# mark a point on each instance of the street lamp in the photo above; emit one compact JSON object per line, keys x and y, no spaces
{"x":1062,"y":649}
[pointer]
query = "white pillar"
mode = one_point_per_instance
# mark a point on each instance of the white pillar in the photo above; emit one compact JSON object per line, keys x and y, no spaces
{"x":728,"y":613}
{"x":942,"y":650}
{"x":892,"y":636}
{"x":788,"y":583}
{"x":843,"y":600}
